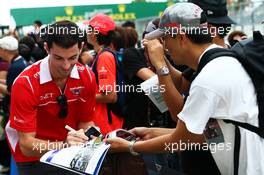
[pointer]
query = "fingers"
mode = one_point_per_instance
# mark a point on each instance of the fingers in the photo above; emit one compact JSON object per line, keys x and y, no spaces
{"x":155,"y":51}
{"x":76,"y":137}
{"x":118,"y":144}
{"x":137,"y":131}
{"x":149,"y":44}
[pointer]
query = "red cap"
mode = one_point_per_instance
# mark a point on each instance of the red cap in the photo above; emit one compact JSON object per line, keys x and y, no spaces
{"x":102,"y":23}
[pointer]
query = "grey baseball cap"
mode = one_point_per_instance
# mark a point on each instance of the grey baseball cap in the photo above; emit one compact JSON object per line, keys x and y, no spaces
{"x":180,"y":15}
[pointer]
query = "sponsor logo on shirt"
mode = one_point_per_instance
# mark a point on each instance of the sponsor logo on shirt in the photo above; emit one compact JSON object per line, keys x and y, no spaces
{"x":76,"y":90}
{"x":46,"y":96}
{"x":102,"y":73}
{"x":80,"y":68}
{"x":36,"y":75}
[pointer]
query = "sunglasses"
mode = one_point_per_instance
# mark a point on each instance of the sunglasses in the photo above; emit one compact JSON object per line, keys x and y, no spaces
{"x":62,"y":102}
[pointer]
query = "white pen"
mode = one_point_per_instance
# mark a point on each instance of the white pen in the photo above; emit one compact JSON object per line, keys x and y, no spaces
{"x":69,"y":128}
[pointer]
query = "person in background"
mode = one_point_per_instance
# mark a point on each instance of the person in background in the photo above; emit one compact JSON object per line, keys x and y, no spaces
{"x":85,"y":57}
{"x":38,"y":51}
{"x":25,"y":48}
{"x":9,"y":53}
{"x":4,"y":151}
{"x":141,"y":111}
{"x":104,"y":67}
{"x":218,"y":20}
{"x":131,"y":24}
{"x":236,"y":36}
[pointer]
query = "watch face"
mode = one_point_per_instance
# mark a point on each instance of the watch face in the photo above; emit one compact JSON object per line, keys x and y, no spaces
{"x":164,"y":70}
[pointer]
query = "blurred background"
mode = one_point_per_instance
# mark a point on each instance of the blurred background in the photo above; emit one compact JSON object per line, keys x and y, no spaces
{"x":20,"y":15}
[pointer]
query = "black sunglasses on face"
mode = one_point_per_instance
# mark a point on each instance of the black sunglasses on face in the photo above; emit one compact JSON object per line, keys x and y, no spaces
{"x":62,"y":102}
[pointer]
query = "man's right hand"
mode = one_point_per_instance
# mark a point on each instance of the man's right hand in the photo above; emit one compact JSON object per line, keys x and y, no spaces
{"x":143,"y":133}
{"x":148,"y":133}
{"x":76,"y":138}
{"x":155,"y":52}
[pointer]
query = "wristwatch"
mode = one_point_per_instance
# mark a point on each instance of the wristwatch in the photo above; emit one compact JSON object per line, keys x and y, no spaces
{"x":131,"y":150}
{"x":164,"y":70}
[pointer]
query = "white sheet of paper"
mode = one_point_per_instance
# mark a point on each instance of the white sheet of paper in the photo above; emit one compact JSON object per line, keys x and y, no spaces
{"x":150,"y":88}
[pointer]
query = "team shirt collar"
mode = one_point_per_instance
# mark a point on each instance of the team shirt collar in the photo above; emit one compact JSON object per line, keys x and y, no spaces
{"x":45,"y":75}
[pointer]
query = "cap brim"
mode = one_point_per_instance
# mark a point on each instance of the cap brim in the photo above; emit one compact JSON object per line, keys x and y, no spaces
{"x":220,"y":20}
{"x":155,"y":34}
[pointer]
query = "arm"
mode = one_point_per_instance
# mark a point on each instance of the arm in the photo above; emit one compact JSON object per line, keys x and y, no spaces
{"x":3,"y":89}
{"x":164,"y":143}
{"x":180,"y":135}
{"x":149,"y":133}
{"x":178,"y":79}
{"x":23,"y":118}
{"x":196,"y":114}
{"x":2,"y":80}
{"x":106,"y":97}
{"x":171,"y":95}
{"x":31,"y":146}
{"x":145,"y":73}
{"x":106,"y":68}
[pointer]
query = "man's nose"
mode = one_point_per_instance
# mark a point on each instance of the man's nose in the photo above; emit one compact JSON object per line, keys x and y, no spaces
{"x":66,"y":65}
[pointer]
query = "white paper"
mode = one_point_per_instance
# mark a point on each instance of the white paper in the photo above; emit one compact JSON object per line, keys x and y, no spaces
{"x":150,"y":88}
{"x":86,"y":158}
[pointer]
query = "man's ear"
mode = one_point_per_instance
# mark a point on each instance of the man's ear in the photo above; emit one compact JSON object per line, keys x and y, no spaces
{"x":182,"y":38}
{"x":46,"y":47}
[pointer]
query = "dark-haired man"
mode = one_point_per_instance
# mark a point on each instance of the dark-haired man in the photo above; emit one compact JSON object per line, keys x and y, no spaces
{"x":50,"y":94}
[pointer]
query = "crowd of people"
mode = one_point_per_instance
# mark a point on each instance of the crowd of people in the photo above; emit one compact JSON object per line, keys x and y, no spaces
{"x":55,"y":78}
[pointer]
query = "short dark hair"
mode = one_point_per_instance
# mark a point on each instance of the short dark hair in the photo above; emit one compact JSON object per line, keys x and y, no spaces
{"x":199,"y":36}
{"x":38,"y":23}
{"x":81,"y":54}
{"x":25,"y":47}
{"x":131,"y":37}
{"x":129,"y":24}
{"x":226,"y":28}
{"x":29,"y":41}
{"x":119,"y":40}
{"x":105,"y":40}
{"x":233,"y":34}
{"x":66,"y":38}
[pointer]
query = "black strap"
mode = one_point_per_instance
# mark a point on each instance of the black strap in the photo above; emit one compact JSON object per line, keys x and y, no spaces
{"x":247,"y":126}
{"x":236,"y":150}
{"x":109,"y":115}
